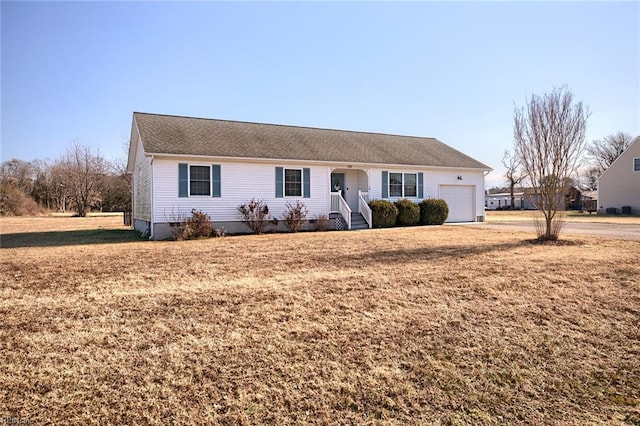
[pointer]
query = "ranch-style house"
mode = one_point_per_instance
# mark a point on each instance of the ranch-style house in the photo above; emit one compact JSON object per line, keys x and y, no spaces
{"x":179,"y":164}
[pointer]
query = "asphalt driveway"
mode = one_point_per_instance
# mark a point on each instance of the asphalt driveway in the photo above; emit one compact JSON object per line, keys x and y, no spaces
{"x":607,"y":230}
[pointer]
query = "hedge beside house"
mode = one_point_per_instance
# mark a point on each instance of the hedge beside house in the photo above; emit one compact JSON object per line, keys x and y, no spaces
{"x":408,"y":213}
{"x":384,"y":213}
{"x":433,"y":212}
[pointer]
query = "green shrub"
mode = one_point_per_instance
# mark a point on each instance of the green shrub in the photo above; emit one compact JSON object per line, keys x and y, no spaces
{"x":408,"y":212}
{"x":384,"y":213}
{"x":433,"y":212}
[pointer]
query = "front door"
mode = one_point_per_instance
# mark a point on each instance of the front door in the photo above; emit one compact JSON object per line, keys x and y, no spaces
{"x":337,"y":183}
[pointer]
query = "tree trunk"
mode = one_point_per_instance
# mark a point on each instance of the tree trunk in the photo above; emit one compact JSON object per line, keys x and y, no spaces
{"x":513,"y":198}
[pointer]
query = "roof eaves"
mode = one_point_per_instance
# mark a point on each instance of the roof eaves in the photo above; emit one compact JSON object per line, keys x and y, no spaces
{"x":318,"y":162}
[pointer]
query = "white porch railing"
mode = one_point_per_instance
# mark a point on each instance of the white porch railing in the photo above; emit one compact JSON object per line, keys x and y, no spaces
{"x":363,"y":207}
{"x":339,"y":205}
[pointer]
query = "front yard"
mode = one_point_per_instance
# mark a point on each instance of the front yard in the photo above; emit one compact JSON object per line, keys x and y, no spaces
{"x":448,"y":325}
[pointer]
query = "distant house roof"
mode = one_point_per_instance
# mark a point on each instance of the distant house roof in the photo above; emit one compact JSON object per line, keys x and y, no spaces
{"x":175,"y":135}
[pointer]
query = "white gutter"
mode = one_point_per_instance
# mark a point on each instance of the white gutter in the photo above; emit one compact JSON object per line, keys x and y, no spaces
{"x":317,"y":162}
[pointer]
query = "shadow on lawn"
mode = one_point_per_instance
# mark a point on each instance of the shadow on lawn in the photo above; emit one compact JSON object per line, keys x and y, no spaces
{"x":432,"y":252}
{"x":68,"y":238}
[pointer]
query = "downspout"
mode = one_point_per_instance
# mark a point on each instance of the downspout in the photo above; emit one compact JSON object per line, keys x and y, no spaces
{"x":484,"y":195}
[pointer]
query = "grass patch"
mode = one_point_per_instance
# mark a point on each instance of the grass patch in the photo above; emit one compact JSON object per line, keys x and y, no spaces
{"x":568,"y":216}
{"x":67,"y":238}
{"x":446,"y":325}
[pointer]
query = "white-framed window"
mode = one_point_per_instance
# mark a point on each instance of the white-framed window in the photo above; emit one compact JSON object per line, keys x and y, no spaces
{"x":199,"y":180}
{"x":636,"y":164}
{"x":403,"y":184}
{"x":395,"y":184}
{"x":293,"y":182}
{"x":410,"y":185}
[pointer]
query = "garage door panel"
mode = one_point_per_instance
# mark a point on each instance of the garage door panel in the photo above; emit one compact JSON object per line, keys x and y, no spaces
{"x":460,"y":199}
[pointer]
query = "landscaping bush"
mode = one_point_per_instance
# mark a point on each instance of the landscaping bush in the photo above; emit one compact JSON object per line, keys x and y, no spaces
{"x":295,"y":216}
{"x":408,"y":212}
{"x":433,"y":212}
{"x":14,"y":202}
{"x":322,"y":222}
{"x":384,"y":213}
{"x":255,"y":214}
{"x":199,"y":225}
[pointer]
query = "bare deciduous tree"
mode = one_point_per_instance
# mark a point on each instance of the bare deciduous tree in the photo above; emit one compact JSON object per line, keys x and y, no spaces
{"x":549,"y":136}
{"x":603,"y":152}
{"x":81,"y":170}
{"x":514,"y":174}
{"x":589,"y":178}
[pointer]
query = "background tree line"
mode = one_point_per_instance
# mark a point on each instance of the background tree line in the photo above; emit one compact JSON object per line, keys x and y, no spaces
{"x":80,"y":180}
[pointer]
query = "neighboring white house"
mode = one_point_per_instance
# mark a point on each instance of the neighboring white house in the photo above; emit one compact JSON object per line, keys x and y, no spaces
{"x":619,"y":185}
{"x":182,"y":163}
{"x":502,"y":200}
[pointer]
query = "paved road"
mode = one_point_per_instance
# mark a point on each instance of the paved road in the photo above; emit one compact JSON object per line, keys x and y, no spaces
{"x":608,"y":230}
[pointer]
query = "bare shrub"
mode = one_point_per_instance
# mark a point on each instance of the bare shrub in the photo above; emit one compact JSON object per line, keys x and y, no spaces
{"x":197,"y":226}
{"x":176,"y":220}
{"x":255,"y":214}
{"x":295,"y":216}
{"x":540,"y":225}
{"x":322,"y":222}
{"x":14,"y":202}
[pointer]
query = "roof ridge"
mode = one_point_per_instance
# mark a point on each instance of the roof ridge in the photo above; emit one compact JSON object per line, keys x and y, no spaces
{"x":290,"y":125}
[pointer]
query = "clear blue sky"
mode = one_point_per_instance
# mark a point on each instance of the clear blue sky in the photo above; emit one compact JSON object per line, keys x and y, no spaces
{"x":77,"y":70}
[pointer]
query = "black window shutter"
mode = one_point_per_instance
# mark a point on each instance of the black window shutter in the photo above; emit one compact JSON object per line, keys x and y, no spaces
{"x":183,"y":180}
{"x":306,"y":182}
{"x":215,"y":172}
{"x":385,"y":184}
{"x":279,"y":182}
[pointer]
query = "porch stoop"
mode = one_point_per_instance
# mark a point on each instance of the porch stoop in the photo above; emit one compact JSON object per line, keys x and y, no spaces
{"x":357,"y":221}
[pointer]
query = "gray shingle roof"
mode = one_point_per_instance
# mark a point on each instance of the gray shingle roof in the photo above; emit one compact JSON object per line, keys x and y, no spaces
{"x":166,"y":134}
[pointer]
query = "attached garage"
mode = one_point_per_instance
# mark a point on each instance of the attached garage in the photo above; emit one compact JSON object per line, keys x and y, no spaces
{"x":461,"y":202}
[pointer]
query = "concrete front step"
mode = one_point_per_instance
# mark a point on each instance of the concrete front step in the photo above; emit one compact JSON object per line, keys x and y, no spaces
{"x":357,"y":221}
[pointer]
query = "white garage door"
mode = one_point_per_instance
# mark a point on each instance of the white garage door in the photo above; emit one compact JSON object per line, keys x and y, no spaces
{"x":460,"y":200}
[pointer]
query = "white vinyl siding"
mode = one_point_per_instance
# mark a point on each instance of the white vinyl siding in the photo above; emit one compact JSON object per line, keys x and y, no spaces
{"x":240,"y":182}
{"x":432,"y":179}
{"x":619,"y":185}
{"x":142,"y":186}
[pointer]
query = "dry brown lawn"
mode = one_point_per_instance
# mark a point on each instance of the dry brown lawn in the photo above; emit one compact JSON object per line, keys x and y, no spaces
{"x":568,"y":216}
{"x":435,"y":325}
